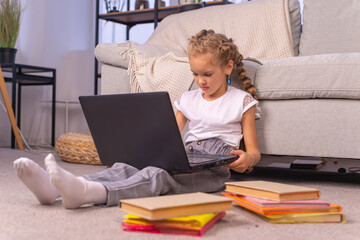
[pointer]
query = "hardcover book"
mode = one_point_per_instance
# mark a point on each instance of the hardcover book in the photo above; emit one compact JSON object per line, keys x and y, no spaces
{"x":331,"y":217}
{"x":272,"y":190}
{"x":170,"y":206}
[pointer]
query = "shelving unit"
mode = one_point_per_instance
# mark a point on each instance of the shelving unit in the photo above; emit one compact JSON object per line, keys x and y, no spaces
{"x":132,"y":18}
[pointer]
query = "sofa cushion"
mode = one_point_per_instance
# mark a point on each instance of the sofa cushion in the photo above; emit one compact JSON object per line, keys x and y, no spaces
{"x":260,"y":29}
{"x":330,"y":27}
{"x":318,"y":76}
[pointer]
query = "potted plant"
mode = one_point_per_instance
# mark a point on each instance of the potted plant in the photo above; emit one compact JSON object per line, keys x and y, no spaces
{"x":10,"y":13}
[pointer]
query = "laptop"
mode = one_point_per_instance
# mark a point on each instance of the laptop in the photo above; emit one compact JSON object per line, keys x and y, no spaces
{"x":140,"y":129}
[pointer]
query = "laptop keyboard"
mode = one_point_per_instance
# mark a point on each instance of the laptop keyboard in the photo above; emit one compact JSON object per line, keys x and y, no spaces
{"x":204,"y":158}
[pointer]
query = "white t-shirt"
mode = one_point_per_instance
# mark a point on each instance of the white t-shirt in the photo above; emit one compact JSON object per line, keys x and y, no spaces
{"x":220,"y":118}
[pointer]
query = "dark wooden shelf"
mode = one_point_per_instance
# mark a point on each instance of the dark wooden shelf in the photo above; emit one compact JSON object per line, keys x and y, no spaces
{"x":148,"y":15}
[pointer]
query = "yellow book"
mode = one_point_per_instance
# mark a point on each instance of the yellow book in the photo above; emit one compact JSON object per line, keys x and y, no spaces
{"x":272,"y":190}
{"x":178,"y":205}
{"x":330,"y":217}
{"x":194,"y":221}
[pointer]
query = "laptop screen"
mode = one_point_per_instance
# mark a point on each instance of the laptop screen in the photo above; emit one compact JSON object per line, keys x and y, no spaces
{"x":139,"y":129}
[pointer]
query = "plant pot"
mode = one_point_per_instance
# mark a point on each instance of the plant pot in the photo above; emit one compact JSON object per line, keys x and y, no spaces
{"x":141,"y":4}
{"x":184,"y":2}
{"x":7,"y":55}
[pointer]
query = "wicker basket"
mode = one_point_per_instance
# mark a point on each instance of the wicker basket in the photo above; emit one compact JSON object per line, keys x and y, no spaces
{"x":77,"y":148}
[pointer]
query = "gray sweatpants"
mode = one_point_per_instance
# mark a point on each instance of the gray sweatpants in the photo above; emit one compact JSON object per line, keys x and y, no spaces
{"x":124,"y":181}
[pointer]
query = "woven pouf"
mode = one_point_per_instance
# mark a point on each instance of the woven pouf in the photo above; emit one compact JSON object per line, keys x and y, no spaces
{"x":77,"y":148}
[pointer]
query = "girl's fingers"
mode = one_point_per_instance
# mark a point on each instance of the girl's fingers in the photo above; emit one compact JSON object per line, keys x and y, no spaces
{"x":237,"y":152}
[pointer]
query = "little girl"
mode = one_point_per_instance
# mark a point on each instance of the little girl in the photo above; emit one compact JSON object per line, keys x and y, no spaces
{"x":219,"y":117}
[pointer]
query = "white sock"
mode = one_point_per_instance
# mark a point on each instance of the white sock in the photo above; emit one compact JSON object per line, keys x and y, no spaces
{"x":36,"y":179}
{"x":74,"y":190}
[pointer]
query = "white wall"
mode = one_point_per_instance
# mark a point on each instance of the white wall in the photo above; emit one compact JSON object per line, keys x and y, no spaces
{"x":60,"y":35}
{"x":113,"y":32}
{"x":56,"y":34}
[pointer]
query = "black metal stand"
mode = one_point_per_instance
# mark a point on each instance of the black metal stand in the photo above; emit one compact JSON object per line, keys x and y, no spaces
{"x":96,"y":43}
{"x":26,"y":75}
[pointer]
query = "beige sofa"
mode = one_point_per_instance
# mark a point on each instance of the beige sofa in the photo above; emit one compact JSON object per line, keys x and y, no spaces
{"x":310,"y":102}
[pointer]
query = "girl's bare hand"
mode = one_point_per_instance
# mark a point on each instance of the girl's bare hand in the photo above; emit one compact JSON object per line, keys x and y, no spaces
{"x":242,"y":163}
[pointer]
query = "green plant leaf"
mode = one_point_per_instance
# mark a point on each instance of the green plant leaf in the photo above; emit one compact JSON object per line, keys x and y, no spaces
{"x":10,"y":13}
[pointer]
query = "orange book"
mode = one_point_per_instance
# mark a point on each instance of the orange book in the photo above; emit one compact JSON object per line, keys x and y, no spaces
{"x":281,"y":207}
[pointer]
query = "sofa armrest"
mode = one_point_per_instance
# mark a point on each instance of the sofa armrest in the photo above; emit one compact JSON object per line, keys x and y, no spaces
{"x":323,"y":76}
{"x":111,"y":54}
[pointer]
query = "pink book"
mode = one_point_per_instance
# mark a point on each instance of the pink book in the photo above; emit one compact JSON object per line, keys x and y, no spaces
{"x":275,"y":203}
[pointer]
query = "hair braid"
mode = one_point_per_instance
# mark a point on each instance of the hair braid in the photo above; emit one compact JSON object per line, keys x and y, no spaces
{"x":241,"y":73}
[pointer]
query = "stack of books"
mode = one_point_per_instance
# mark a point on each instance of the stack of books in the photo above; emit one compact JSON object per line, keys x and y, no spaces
{"x":188,"y":214}
{"x":283,"y":203}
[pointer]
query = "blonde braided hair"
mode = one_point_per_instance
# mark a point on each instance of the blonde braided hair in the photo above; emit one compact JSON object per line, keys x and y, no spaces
{"x":223,"y":49}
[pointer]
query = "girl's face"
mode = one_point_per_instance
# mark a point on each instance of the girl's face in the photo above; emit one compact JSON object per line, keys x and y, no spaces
{"x":209,"y":77}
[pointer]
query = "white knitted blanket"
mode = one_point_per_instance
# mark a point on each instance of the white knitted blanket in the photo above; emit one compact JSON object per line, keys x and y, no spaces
{"x":261,"y":30}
